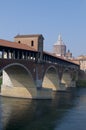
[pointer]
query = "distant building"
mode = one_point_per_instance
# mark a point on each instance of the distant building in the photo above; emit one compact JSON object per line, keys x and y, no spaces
{"x":81,"y":60}
{"x":68,"y":55}
{"x":59,"y":49}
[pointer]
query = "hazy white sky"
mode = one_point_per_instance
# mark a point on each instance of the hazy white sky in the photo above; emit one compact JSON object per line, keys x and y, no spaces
{"x":47,"y":17}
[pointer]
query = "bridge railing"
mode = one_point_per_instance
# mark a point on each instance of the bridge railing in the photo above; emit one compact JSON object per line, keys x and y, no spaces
{"x":58,"y":61}
{"x":18,"y":54}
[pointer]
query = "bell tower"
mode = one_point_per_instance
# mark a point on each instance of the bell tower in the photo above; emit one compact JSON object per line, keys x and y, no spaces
{"x":34,"y":41}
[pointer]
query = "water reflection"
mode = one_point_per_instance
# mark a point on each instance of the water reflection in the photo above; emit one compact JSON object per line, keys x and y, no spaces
{"x":22,"y":114}
{"x":75,"y":118}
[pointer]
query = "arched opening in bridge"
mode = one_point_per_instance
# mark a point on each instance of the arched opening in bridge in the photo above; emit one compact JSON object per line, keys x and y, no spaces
{"x":66,"y":78}
{"x":18,"y":82}
{"x":51,"y":79}
{"x":74,"y":78}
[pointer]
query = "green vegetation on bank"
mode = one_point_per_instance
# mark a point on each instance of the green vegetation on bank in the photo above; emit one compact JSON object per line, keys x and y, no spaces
{"x":0,"y":82}
{"x":81,"y":83}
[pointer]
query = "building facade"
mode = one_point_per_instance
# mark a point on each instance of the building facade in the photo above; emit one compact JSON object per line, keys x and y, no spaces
{"x":81,"y":60}
{"x":34,"y":41}
{"x":59,"y":49}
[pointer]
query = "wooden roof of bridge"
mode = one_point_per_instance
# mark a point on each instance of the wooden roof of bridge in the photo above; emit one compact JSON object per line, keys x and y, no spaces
{"x":30,"y":35}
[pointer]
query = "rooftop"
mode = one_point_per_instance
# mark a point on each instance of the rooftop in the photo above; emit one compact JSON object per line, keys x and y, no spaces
{"x":25,"y":36}
{"x":5,"y":43}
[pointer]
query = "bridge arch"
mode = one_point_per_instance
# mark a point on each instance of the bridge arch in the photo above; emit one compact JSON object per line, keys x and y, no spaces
{"x":51,"y":79}
{"x":74,"y":78}
{"x":66,"y":78}
{"x":74,"y":75}
{"x":16,"y":64}
{"x":18,"y":81}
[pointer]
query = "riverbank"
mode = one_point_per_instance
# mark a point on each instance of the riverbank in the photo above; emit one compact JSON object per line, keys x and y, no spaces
{"x":0,"y":82}
{"x":81,"y":83}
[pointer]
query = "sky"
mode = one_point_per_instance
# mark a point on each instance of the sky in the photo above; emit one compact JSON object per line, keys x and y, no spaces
{"x":47,"y":17}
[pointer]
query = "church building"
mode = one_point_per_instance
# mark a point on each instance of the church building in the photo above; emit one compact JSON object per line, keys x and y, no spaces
{"x":59,"y":49}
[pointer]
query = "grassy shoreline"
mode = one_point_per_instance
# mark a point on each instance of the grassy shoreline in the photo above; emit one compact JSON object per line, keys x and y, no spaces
{"x":0,"y":82}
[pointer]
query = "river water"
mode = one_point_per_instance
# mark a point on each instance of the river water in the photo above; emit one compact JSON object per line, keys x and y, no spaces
{"x":67,"y":111}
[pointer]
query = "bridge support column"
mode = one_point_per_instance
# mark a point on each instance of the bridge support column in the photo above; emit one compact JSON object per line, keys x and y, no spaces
{"x":3,"y":51}
{"x":38,"y":76}
{"x":42,"y":93}
{"x":73,"y":84}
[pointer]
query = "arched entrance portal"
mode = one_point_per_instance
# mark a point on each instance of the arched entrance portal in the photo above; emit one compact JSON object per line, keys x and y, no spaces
{"x":18,"y":82}
{"x":51,"y":79}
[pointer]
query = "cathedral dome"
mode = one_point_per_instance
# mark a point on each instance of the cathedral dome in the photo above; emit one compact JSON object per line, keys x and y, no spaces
{"x":59,"y":47}
{"x":59,"y":41}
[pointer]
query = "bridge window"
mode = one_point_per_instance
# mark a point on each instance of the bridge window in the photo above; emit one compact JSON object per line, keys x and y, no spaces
{"x":32,"y":43}
{"x":19,"y":41}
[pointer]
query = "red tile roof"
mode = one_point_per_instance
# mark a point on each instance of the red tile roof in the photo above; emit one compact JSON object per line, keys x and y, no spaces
{"x":5,"y":43}
{"x":25,"y":36}
{"x":51,"y":54}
